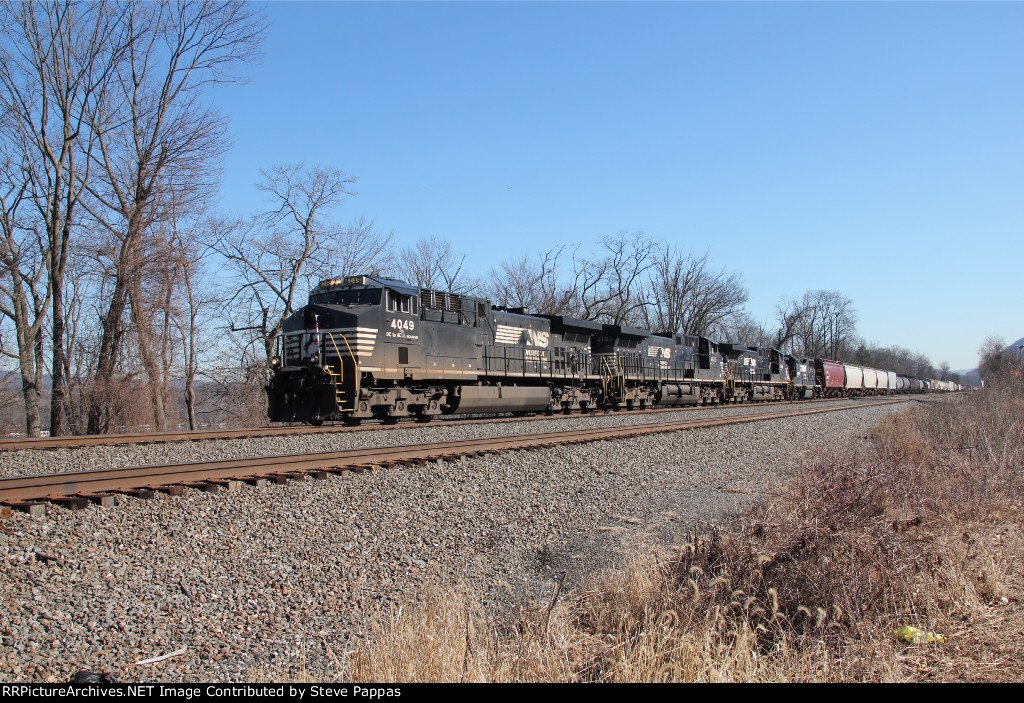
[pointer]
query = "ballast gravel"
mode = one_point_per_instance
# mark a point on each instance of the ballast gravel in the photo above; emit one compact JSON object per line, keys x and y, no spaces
{"x":26,"y":462}
{"x":283,"y":580}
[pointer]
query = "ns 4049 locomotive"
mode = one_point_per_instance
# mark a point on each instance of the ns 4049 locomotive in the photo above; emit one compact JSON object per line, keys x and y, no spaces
{"x":371,"y":347}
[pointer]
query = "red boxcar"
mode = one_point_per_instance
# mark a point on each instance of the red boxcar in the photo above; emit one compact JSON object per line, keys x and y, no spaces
{"x":831,"y":377}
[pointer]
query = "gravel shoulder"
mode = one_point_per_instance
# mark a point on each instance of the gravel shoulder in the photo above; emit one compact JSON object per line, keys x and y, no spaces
{"x":282,"y":579}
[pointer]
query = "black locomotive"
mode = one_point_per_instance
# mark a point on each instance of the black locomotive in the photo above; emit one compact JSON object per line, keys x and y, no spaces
{"x":370,"y":347}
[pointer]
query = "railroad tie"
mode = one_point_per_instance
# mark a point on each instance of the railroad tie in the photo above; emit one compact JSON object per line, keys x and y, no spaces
{"x":257,"y":481}
{"x":174,"y":490}
{"x":143,"y":493}
{"x":33,"y":508}
{"x":413,"y":463}
{"x":227,"y":484}
{"x":69,"y":502}
{"x":104,"y":500}
{"x":210,"y":486}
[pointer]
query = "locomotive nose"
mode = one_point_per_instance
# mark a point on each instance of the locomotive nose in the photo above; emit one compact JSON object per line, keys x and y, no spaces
{"x":331,"y":317}
{"x":345,"y":330}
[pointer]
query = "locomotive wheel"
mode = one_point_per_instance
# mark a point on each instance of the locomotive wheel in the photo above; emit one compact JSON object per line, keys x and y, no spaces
{"x":316,"y":422}
{"x":351,"y":421}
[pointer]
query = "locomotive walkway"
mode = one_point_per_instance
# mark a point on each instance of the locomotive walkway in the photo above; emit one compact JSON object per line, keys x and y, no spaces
{"x":77,"y":489}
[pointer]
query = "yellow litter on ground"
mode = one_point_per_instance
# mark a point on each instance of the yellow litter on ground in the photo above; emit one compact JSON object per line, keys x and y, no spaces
{"x":913,"y":635}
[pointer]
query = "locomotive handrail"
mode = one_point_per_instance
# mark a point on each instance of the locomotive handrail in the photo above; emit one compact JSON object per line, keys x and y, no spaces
{"x":341,"y":369}
{"x":729,"y":377}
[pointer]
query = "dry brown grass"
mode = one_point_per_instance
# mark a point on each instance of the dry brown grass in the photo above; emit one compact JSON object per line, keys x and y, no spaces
{"x":811,"y":586}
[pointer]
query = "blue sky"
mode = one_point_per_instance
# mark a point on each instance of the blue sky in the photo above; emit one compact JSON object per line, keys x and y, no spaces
{"x":769,"y":134}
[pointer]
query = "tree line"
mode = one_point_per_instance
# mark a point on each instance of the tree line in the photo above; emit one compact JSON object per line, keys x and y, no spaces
{"x":108,"y":162}
{"x":127,"y":301}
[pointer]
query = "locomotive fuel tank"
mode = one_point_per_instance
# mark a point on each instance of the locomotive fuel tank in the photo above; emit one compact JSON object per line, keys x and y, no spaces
{"x":491,"y":399}
{"x":678,"y":394}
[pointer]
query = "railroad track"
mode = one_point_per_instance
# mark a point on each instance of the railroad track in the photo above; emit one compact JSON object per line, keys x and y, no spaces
{"x":75,"y":441}
{"x":77,"y":489}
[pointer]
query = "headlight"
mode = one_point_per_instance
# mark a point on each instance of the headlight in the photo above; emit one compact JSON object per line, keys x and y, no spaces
{"x":275,"y":362}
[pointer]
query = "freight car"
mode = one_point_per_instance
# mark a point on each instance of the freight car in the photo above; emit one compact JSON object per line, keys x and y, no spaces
{"x":373,"y":347}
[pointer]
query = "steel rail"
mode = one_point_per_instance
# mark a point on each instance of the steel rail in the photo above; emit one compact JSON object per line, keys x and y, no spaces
{"x":75,"y":441}
{"x":19,"y":489}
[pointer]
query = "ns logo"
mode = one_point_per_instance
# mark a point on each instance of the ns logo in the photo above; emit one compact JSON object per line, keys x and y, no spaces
{"x":535,"y":338}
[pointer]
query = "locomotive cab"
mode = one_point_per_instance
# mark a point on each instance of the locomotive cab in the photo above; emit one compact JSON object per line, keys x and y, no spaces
{"x":321,"y":348}
{"x":326,"y":348}
{"x":802,"y":378}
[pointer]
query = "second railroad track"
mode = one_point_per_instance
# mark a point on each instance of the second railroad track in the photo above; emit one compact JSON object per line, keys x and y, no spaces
{"x":79,"y":488}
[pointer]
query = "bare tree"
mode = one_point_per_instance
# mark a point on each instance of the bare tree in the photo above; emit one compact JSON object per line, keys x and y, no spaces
{"x":198,"y":302}
{"x":788,"y":316}
{"x":688,"y":296}
{"x":994,"y":363}
{"x":433,"y":263}
{"x":359,"y":248}
{"x":12,"y":416}
{"x":24,"y":290}
{"x":513,"y":283}
{"x":280,"y":253}
{"x":155,"y":146}
{"x":82,"y":340}
{"x":610,"y":287}
{"x":944,"y":371}
{"x":899,"y":359}
{"x":740,"y":328}
{"x":824,"y":325}
{"x":607,"y":286}
{"x":840,"y":321}
{"x":533,"y":284}
{"x":55,"y":57}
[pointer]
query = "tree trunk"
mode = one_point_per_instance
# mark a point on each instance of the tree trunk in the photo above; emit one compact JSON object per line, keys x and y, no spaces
{"x":31,"y":380}
{"x":149,"y":362}
{"x":57,"y":379}
{"x":110,"y":343}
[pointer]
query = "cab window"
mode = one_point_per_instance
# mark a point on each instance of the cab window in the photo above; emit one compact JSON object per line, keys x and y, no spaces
{"x":365,"y":296}
{"x":399,"y":302}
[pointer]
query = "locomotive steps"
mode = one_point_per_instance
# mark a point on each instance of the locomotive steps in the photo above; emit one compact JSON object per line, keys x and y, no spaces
{"x":76,"y":489}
